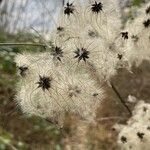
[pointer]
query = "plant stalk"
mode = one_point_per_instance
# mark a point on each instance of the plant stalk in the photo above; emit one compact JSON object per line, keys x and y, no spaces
{"x":120,"y":98}
{"x":22,"y":44}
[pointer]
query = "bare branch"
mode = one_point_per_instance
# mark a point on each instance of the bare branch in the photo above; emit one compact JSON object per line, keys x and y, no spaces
{"x":22,"y":44}
{"x":120,"y":98}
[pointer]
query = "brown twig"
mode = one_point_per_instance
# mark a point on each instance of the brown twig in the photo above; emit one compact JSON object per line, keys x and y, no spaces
{"x":8,"y":144}
{"x":63,"y":2}
{"x":120,"y":98}
{"x":111,"y":118}
{"x":22,"y":44}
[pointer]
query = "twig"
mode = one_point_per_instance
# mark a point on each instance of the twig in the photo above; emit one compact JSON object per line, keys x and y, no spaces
{"x":22,"y":44}
{"x":111,"y":118}
{"x":63,"y":2}
{"x":120,"y":98}
{"x":45,"y":42}
{"x":8,"y":144}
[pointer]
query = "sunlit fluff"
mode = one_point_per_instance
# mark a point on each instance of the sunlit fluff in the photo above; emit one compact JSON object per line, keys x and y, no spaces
{"x":136,"y":134}
{"x":52,"y":92}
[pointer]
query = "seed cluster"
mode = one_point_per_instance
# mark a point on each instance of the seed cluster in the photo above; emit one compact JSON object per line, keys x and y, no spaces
{"x":135,"y":135}
{"x":88,"y":47}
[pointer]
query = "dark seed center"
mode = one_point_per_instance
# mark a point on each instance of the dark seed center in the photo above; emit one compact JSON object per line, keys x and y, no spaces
{"x":124,"y":35}
{"x":148,"y":10}
{"x":146,"y":23}
{"x":123,"y":139}
{"x":81,"y":54}
{"x":69,"y":9}
{"x":60,"y":29}
{"x":57,"y":52}
{"x":97,"y":7}
{"x":23,"y":70}
{"x":120,"y":56}
{"x":140,"y":135}
{"x":44,"y":83}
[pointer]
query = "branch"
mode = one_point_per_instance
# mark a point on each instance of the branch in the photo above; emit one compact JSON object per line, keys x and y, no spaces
{"x":8,"y":144}
{"x":120,"y":98}
{"x":63,"y":2}
{"x":47,"y":45}
{"x":111,"y":118}
{"x":22,"y":44}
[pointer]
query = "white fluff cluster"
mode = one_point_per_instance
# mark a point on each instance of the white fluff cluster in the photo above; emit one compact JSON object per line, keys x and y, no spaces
{"x":91,"y":35}
{"x":137,"y":47}
{"x":88,"y":47}
{"x":49,"y":91}
{"x":84,"y":50}
{"x":136,"y":134}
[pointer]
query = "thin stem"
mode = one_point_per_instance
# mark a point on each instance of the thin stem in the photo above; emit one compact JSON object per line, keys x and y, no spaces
{"x":111,"y":118}
{"x":63,"y":2}
{"x":54,"y":122}
{"x":120,"y":98}
{"x":22,"y":44}
{"x":8,"y":144}
{"x":45,"y":42}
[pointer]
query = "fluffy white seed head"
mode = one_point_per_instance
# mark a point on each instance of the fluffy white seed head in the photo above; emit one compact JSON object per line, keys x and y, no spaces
{"x":88,"y":46}
{"x":135,"y":137}
{"x":135,"y":134}
{"x":53,"y":91}
{"x":137,"y":46}
{"x":92,"y":35}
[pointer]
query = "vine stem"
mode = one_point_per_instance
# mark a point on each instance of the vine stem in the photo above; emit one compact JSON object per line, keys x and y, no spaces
{"x":120,"y":98}
{"x":112,"y":118}
{"x":63,"y":2}
{"x":8,"y":144}
{"x":22,"y":44}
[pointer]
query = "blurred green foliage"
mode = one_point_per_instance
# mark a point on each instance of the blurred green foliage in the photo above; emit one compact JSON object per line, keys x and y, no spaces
{"x":7,"y":53}
{"x":8,"y":139}
{"x":137,"y":2}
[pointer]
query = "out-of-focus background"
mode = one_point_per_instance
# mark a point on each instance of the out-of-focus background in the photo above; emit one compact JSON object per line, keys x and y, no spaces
{"x":19,"y":132}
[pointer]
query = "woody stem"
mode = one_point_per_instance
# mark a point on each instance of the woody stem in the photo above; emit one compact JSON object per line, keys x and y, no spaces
{"x":120,"y":98}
